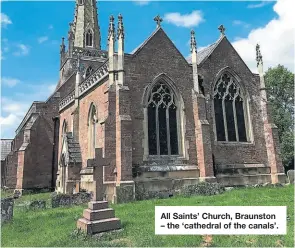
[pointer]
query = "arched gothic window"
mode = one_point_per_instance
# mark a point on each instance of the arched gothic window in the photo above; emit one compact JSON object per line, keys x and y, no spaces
{"x":230,"y":107}
{"x":64,"y":129}
{"x":89,"y":38}
{"x":92,"y":120}
{"x":88,"y":72}
{"x":162,"y":121}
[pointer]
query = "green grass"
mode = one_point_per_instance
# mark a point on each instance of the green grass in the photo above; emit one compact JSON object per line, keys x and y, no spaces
{"x":56,"y":227}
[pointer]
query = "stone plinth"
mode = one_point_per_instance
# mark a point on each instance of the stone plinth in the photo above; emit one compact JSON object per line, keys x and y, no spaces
{"x":98,"y":218}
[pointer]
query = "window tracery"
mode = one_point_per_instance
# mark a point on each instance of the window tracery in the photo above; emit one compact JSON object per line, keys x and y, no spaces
{"x":230,"y":110}
{"x":162,"y":121}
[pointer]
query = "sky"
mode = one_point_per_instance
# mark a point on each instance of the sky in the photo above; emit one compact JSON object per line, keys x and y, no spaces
{"x":31,"y":33}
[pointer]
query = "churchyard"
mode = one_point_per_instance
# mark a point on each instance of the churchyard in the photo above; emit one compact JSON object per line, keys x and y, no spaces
{"x":57,"y":226}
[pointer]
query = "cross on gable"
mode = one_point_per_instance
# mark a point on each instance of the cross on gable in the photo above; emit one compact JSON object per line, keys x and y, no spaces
{"x":158,"y":20}
{"x":221,"y":28}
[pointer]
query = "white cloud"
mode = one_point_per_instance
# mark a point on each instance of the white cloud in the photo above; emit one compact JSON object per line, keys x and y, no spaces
{"x":141,"y":2}
{"x":258,"y":5}
{"x":10,"y":82}
{"x":15,"y":106}
{"x":4,"y":20}
{"x":7,"y":123}
{"x":276,"y":39}
{"x":241,"y":23}
{"x":12,"y":112}
{"x":23,"y":50}
{"x":186,"y":20}
{"x":42,"y":39}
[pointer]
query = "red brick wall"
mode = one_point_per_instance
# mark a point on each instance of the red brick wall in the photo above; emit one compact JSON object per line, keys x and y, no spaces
{"x":98,"y":97}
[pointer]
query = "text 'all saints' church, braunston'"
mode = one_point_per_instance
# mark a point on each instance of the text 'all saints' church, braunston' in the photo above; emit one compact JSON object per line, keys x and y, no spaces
{"x":154,"y":120}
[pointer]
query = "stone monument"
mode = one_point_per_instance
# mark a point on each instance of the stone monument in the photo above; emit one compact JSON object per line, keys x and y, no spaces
{"x":98,"y":217}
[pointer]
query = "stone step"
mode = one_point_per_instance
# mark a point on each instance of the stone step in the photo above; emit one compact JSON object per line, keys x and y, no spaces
{"x":97,"y":205}
{"x":99,"y":214}
{"x":240,"y":180}
{"x":243,"y":171}
{"x":92,"y":227}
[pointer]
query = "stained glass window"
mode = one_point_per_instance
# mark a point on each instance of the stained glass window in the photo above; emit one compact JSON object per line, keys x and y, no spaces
{"x":229,"y":108}
{"x":162,"y":121}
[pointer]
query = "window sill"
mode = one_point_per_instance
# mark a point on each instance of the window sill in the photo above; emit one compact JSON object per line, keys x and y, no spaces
{"x":233,"y":143}
{"x":163,"y":157}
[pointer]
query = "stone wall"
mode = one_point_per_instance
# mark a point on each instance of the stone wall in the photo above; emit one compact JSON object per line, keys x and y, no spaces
{"x":159,"y":56}
{"x":59,"y":200}
{"x":11,"y":161}
{"x":233,"y":152}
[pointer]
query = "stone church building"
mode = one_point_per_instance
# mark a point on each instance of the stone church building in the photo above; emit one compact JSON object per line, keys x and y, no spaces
{"x":153,"y":119}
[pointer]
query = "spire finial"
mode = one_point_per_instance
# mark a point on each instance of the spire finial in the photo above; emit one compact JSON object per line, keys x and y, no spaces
{"x":193,"y":41}
{"x":258,"y":55}
{"x":221,"y":28}
{"x":71,"y":33}
{"x":158,"y":20}
{"x":120,"y":27}
{"x":62,"y":46}
{"x":111,"y":28}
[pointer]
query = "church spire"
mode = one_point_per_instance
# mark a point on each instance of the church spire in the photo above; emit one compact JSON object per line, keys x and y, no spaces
{"x":85,"y":25}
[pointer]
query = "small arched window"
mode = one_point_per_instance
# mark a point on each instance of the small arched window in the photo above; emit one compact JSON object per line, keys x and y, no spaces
{"x":92,"y":120}
{"x":64,"y":129}
{"x":230,"y":107}
{"x":162,"y":121}
{"x":89,"y":38}
{"x":88,"y":72}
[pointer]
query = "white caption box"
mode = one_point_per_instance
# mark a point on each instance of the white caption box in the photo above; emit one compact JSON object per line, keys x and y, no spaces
{"x":221,"y":220}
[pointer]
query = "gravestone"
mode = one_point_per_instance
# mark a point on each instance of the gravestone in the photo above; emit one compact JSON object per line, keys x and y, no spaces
{"x":98,"y":217}
{"x":290,"y":175}
{"x":7,"y":209}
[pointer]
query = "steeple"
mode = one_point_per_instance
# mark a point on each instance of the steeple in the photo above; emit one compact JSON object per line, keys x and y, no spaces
{"x":85,"y":25}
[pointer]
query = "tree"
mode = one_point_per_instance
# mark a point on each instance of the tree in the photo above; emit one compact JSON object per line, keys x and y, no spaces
{"x":280,"y":90}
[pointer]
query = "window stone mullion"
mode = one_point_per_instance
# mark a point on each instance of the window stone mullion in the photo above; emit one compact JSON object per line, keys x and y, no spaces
{"x":157,"y":130}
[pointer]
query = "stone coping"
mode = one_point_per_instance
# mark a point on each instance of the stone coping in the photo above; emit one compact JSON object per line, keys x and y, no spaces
{"x":240,"y":166}
{"x":156,"y":168}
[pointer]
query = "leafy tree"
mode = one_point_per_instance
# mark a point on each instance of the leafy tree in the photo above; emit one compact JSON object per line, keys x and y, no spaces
{"x":280,"y":90}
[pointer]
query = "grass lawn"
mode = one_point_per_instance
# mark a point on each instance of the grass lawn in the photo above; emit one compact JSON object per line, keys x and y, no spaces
{"x":56,"y":227}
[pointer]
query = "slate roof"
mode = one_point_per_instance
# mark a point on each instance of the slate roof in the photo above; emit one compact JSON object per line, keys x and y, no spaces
{"x":204,"y":53}
{"x":5,"y":148}
{"x":74,"y":149}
